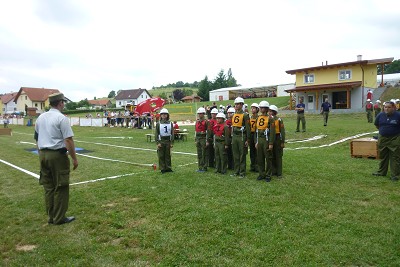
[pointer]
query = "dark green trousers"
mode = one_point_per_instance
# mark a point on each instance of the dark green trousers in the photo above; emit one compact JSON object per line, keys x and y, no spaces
{"x":264,"y":158}
{"x":164,"y":156}
{"x":389,"y":153}
{"x":202,"y":158}
{"x":253,"y":153}
{"x":277,"y":154}
{"x":54,"y":176}
{"x":300,"y":117}
{"x":326,"y":116}
{"x":220,"y":157}
{"x":369,"y":116}
{"x":239,"y":154}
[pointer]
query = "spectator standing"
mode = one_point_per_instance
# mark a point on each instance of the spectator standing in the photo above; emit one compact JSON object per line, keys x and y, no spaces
{"x":325,"y":109}
{"x":300,"y":107}
{"x":388,"y":124}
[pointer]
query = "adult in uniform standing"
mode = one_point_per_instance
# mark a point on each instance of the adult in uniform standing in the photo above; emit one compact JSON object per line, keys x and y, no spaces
{"x":279,"y":143}
{"x":165,"y":141}
{"x":265,"y":138}
{"x":300,"y":116}
{"x":252,"y":144}
{"x":377,"y":107}
{"x":240,"y":138}
{"x":369,"y":108}
{"x":388,"y":124}
{"x":325,"y":109}
{"x":54,"y":138}
{"x":201,"y":139}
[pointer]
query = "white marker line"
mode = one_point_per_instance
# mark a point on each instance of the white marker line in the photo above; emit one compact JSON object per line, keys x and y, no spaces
{"x":20,"y":169}
{"x":317,"y":137}
{"x":134,"y":148}
{"x":334,"y":143}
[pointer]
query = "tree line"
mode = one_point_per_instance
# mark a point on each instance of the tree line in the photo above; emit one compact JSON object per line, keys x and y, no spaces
{"x":393,"y":67}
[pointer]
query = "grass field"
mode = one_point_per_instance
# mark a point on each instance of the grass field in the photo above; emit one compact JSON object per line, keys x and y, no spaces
{"x":327,"y":210}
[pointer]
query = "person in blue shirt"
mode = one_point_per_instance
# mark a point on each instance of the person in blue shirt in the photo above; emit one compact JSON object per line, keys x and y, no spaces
{"x":325,"y":109}
{"x":300,"y":116}
{"x":388,"y":124}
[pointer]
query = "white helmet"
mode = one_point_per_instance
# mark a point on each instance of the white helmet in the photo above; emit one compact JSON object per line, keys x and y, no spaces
{"x":263,"y":104}
{"x":201,"y":110}
{"x":378,"y":101}
{"x":221,"y":115}
{"x":254,"y":105}
{"x":273,"y":107}
{"x":231,"y":110}
{"x":393,"y":100}
{"x":239,"y":100}
{"x":164,"y":110}
{"x":213,"y":111}
{"x":368,"y":99}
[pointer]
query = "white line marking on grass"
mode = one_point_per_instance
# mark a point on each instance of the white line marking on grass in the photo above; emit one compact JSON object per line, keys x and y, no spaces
{"x":115,"y":160}
{"x":20,"y":169}
{"x":334,"y":143}
{"x":317,"y":137}
{"x":135,"y":148}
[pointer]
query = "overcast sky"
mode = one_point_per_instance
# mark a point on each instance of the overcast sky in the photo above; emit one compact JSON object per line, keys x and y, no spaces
{"x":87,"y":48}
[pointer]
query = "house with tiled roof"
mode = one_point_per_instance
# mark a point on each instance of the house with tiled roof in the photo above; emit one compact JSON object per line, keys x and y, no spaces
{"x":100,"y":103}
{"x":131,"y":96}
{"x":344,"y":84}
{"x":28,"y":97}
{"x":8,"y":105}
{"x":191,"y":99}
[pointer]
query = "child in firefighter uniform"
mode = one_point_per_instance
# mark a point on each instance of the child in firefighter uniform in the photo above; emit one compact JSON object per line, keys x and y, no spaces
{"x":210,"y":148}
{"x":252,"y":145}
{"x":240,"y":138}
{"x":165,"y":141}
{"x":221,"y":138}
{"x":201,"y":139}
{"x":279,"y":143}
{"x":229,"y":152}
{"x":265,"y":138}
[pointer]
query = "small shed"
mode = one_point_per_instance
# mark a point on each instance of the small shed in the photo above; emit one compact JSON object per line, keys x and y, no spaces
{"x":191,"y":99}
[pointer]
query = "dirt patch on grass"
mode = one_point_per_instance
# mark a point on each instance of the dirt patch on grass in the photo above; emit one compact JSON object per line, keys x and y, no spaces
{"x":25,"y":247}
{"x":136,"y":223}
{"x":109,"y":205}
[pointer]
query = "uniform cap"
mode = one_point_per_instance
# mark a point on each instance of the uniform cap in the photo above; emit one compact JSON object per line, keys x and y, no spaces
{"x":164,"y":110}
{"x":201,"y":110}
{"x":56,"y":97}
{"x":239,"y":100}
{"x":221,"y":115}
{"x":273,"y":107}
{"x":263,"y":104}
{"x":213,"y":111}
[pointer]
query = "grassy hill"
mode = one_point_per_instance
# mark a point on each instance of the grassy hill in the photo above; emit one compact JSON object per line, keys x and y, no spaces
{"x":390,"y":93}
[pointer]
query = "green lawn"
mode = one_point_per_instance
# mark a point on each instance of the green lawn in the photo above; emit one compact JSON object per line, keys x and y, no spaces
{"x":327,"y":210}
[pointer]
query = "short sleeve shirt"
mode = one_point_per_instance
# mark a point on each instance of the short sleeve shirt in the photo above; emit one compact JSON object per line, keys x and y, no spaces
{"x":388,"y":125}
{"x":52,"y":128}
{"x":325,"y":106}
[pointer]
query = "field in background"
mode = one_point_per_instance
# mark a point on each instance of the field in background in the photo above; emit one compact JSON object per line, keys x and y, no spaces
{"x":327,"y":209}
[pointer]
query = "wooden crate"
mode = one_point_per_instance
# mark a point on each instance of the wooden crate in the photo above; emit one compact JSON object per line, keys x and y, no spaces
{"x":5,"y":131}
{"x":364,"y":148}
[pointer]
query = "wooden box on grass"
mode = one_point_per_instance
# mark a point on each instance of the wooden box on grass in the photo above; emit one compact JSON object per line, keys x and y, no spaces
{"x":364,"y":148}
{"x":5,"y":131}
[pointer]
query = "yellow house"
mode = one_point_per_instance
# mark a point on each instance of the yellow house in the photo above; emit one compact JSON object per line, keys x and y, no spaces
{"x":28,"y":97}
{"x":344,"y":84}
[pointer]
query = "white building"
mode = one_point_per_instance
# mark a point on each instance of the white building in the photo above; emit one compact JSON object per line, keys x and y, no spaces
{"x":131,"y":96}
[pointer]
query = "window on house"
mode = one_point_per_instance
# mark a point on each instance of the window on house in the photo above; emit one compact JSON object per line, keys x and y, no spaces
{"x":35,"y":105}
{"x":120,"y":103}
{"x":26,"y":97}
{"x":344,"y":75}
{"x":308,"y":78}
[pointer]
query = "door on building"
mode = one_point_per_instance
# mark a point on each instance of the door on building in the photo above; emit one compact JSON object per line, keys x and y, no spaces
{"x":310,"y":103}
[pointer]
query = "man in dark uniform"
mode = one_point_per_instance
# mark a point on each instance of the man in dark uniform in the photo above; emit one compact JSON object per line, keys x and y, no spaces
{"x":53,"y":135}
{"x":165,"y":141}
{"x":240,"y":138}
{"x":325,"y":109}
{"x":300,"y":115}
{"x":369,"y":108}
{"x":388,"y":124}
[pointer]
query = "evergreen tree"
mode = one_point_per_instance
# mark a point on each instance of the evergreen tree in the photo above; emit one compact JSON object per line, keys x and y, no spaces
{"x":204,"y":88}
{"x":111,"y":94}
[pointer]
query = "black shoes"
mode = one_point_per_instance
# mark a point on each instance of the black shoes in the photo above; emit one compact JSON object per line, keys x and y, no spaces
{"x":67,"y":220}
{"x":268,"y":179}
{"x":394,"y":178}
{"x":259,"y":178}
{"x":377,"y":174}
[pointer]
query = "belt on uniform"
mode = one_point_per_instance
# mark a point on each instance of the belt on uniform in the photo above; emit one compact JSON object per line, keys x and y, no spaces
{"x":60,"y":150}
{"x":260,"y":134}
{"x":165,"y":138}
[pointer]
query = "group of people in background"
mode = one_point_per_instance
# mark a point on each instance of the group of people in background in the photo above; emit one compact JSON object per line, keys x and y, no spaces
{"x":128,"y":119}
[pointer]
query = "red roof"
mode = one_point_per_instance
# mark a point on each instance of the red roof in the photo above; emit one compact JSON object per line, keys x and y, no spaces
{"x":359,"y":62}
{"x":8,"y":97}
{"x":99,"y":102}
{"x":36,"y":94}
{"x":325,"y":86}
{"x":190,"y":97}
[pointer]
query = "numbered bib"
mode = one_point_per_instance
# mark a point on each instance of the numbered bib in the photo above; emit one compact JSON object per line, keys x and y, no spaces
{"x":237,"y":120}
{"x":165,"y":129}
{"x":253,"y":125}
{"x":262,"y":122}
